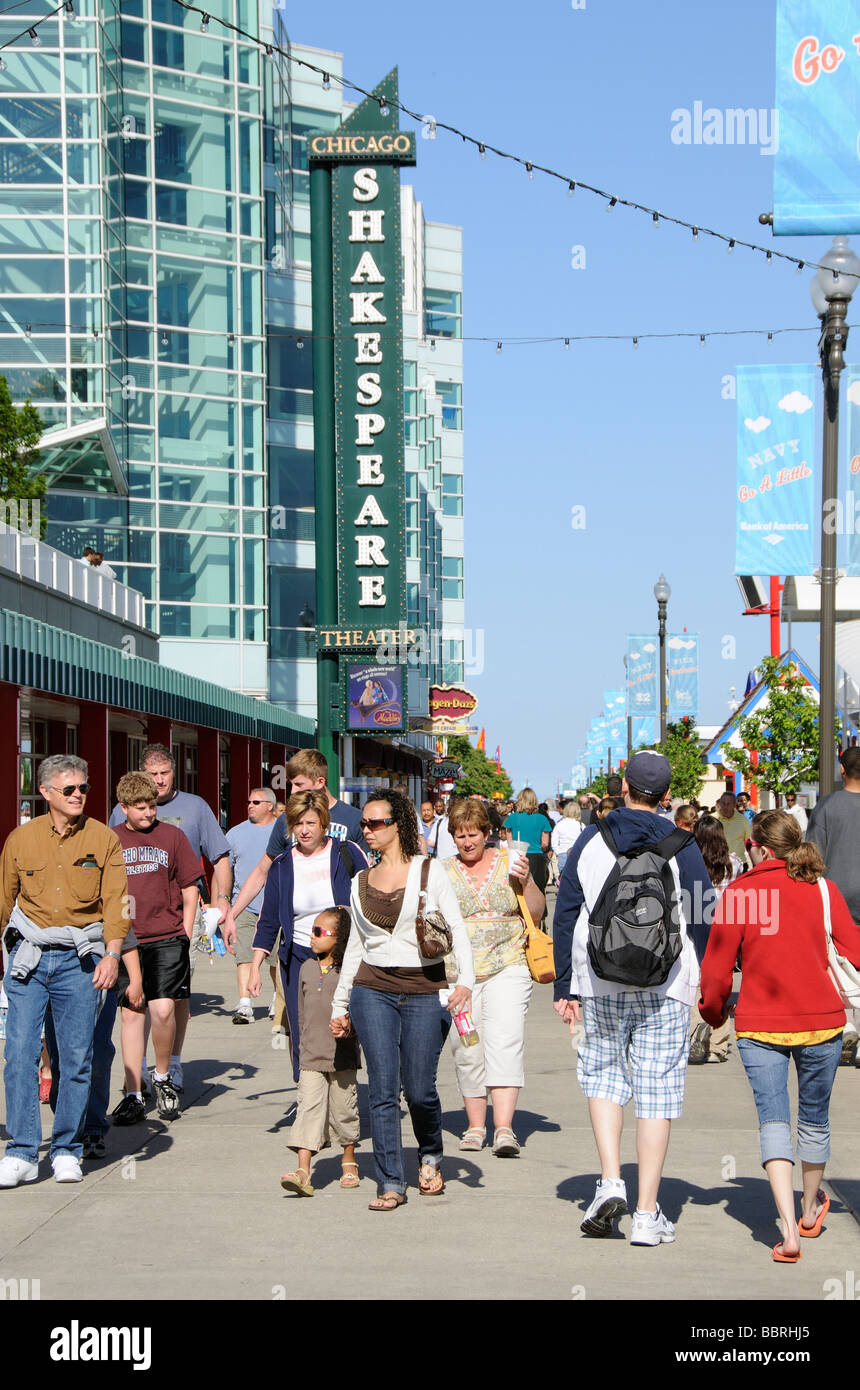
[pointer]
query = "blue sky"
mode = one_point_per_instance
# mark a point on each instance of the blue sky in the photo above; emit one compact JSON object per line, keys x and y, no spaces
{"x":644,"y":440}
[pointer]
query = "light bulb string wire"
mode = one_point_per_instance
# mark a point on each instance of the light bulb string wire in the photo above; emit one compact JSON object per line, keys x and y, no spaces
{"x":484,"y":146}
{"x":26,"y":33}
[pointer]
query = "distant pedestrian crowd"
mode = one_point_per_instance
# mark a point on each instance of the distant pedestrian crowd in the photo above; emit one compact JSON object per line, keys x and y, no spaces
{"x":389,"y":932}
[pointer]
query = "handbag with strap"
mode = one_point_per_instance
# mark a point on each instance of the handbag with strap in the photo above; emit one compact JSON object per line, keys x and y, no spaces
{"x":845,"y":976}
{"x":539,"y":953}
{"x":431,"y":930}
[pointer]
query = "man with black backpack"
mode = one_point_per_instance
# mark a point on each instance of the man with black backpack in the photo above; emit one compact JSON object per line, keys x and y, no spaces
{"x":630,"y":930}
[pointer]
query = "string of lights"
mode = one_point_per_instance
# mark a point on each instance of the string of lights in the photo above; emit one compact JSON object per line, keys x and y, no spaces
{"x":484,"y":147}
{"x":32,"y":30}
{"x":165,"y":331}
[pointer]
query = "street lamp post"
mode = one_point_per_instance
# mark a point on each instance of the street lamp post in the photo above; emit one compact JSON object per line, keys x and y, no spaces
{"x":662,"y":594}
{"x":831,"y":291}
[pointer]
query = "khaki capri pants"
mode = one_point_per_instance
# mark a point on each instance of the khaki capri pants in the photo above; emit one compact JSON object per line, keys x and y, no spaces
{"x":499,"y":1008}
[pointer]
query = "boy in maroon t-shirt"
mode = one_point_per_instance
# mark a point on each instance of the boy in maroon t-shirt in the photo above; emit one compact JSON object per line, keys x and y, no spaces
{"x":162,"y":884}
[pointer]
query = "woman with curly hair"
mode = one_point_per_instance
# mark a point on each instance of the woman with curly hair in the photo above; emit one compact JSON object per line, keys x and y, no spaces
{"x":777,"y":916}
{"x":391,"y":993}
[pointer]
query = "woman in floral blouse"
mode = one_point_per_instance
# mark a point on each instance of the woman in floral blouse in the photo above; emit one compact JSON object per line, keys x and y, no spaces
{"x":500,"y":999}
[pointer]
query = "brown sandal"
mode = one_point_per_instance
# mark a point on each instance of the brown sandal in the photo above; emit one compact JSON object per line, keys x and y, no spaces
{"x":430,"y":1183}
{"x":298,"y":1182}
{"x":389,"y":1201}
{"x":348,"y":1180}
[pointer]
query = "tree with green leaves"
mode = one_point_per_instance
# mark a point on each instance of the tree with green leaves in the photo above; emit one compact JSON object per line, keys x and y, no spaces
{"x":20,"y":481}
{"x":782,"y":732}
{"x":685,"y":758}
{"x":480,"y":776}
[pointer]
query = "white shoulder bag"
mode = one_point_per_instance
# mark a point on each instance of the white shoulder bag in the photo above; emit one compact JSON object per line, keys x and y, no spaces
{"x":845,"y":976}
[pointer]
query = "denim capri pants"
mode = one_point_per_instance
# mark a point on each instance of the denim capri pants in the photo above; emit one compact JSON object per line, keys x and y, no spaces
{"x":766,"y":1066}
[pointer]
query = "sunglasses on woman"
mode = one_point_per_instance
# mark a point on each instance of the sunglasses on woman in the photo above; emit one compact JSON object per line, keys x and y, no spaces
{"x":375,"y":824}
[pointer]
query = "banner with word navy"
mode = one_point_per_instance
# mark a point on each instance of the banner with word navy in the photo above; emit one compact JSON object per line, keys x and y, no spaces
{"x":775,"y":490}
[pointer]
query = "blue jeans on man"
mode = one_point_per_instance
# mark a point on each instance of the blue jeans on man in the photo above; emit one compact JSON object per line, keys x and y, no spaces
{"x":401,"y":1036}
{"x":96,"y":1119}
{"x":64,"y":981}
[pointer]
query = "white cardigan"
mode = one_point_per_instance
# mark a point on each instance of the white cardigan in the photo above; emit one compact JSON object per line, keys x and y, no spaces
{"x":399,"y":947}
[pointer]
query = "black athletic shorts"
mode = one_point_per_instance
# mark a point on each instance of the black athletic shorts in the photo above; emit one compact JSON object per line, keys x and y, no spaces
{"x":166,"y":970}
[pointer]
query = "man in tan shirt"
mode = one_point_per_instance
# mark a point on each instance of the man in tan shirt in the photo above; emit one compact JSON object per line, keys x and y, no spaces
{"x":64,"y":896}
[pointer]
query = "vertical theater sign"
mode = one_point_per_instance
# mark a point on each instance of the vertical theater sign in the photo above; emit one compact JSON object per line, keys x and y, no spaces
{"x":358,"y":406}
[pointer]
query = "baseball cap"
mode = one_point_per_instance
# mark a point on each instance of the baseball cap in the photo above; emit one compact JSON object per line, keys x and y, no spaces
{"x":649,"y":772}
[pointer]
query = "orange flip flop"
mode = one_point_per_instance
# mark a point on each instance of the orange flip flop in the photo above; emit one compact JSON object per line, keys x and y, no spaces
{"x":782,"y":1259}
{"x":811,"y":1231}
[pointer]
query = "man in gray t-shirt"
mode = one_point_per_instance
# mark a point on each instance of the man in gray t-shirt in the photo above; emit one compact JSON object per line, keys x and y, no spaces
{"x":834,"y":826}
{"x":248,"y":842}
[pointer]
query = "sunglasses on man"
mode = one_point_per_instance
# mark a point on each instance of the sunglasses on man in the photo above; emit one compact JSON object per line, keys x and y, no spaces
{"x":82,"y":787}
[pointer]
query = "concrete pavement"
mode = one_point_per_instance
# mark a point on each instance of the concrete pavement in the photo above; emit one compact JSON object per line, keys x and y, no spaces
{"x":196,"y":1210}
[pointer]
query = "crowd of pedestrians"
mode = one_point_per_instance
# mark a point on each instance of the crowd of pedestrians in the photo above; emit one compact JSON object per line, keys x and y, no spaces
{"x":388,"y":930}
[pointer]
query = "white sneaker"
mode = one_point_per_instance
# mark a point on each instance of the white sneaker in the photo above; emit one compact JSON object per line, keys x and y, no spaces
{"x":15,"y":1170}
{"x":610,"y":1202}
{"x":651,"y":1228}
{"x":243,"y":1014}
{"x":66,"y":1168}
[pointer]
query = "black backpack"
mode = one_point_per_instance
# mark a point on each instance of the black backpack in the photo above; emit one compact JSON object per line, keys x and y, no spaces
{"x":347,"y":860}
{"x":634,"y":936}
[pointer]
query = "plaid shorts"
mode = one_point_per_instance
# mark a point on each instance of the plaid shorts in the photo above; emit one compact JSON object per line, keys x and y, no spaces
{"x":635,"y":1045}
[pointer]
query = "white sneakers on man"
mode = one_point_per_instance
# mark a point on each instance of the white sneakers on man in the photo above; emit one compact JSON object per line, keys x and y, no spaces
{"x":66,"y":1168}
{"x":16,"y":1170}
{"x":610,"y":1201}
{"x":651,"y":1228}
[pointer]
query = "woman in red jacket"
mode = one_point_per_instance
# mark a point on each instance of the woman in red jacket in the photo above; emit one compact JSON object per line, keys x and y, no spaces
{"x":788,"y":1007}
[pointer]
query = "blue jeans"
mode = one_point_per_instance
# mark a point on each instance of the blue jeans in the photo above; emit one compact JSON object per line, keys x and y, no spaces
{"x":96,"y":1119}
{"x":64,"y":981}
{"x":766,"y":1066}
{"x":402,"y":1037}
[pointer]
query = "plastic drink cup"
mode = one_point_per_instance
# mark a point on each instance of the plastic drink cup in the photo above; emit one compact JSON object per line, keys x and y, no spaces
{"x":516,"y":849}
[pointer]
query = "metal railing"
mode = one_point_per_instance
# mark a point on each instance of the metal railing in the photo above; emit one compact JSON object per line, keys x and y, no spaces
{"x":28,"y":558}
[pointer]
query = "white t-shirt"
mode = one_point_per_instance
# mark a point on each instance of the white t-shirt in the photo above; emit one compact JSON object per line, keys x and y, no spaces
{"x":565,"y":834}
{"x":440,"y":841}
{"x":311,"y":890}
{"x":799,"y":815}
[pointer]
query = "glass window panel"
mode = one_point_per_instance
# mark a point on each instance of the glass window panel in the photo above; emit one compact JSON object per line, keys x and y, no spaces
{"x":289,"y":643}
{"x":251,"y":251}
{"x":215,"y":486}
{"x":82,"y":73}
{"x":253,"y":626}
{"x":193,"y":146}
{"x":251,"y":218}
{"x":179,"y":620}
{"x":138,"y":270}
{"x":412,"y":544}
{"x":289,"y":526}
{"x":249,"y":156}
{"x":452,"y":506}
{"x":222,"y":248}
{"x":38,"y":201}
{"x":193,"y":208}
{"x":291,"y":590}
{"x":136,"y":157}
{"x":136,"y":199}
{"x":138,"y":344}
{"x":141,"y":444}
{"x":48,"y":31}
{"x":198,"y":432}
{"x":198,"y":568}
{"x":29,"y":276}
{"x":248,"y":65}
{"x":452,"y":417}
{"x":140,"y":408}
{"x":197,"y":382}
{"x":252,"y":438}
{"x":176,"y":517}
{"x":82,"y":162}
{"x":139,"y":305}
{"x":253,"y":522}
{"x":195,"y":295}
{"x":37,"y":72}
{"x":452,"y":588}
{"x":410,"y":373}
{"x":410,"y":428}
{"x":137,"y":577}
{"x":138,"y":235}
{"x":452,"y":482}
{"x":83,"y":235}
{"x":291,"y":477}
{"x":452,"y":566}
{"x":253,"y":490}
{"x":25,"y":236}
{"x":140,"y":481}
{"x":248,"y":100}
{"x":27,"y":163}
{"x":252,"y":361}
{"x":36,"y":117}
{"x":82,"y":120}
{"x":253,"y":576}
{"x":133,"y":41}
{"x":20,"y":351}
{"x":442,"y":326}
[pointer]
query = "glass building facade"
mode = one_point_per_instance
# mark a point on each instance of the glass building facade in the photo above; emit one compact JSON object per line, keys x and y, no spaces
{"x":154,"y":287}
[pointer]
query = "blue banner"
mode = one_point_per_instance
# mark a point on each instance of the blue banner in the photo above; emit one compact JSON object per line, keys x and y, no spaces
{"x":682,"y":675}
{"x":818,"y":113}
{"x":644,"y":731}
{"x":776,"y":469}
{"x":642,"y":675}
{"x":614,"y":704}
{"x":845,"y":510}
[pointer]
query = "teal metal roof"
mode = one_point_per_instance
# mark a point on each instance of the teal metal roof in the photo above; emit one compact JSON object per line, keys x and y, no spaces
{"x":60,"y":663}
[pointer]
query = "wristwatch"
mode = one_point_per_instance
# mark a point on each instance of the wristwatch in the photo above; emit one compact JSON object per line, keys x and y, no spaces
{"x":114,"y":954}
